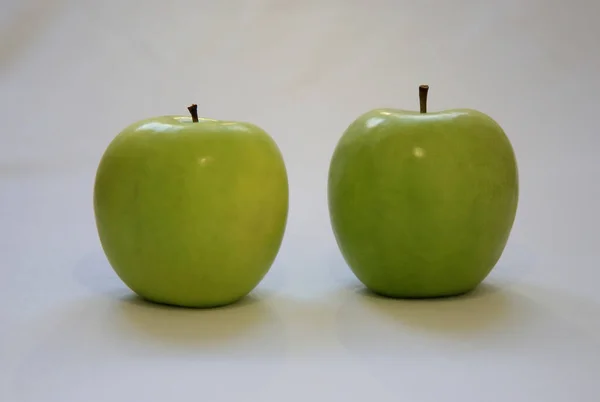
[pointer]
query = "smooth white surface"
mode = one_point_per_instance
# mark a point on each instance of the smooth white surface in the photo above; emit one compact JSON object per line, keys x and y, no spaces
{"x":75,"y":73}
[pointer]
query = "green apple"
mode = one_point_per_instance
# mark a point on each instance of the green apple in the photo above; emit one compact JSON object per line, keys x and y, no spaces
{"x":191,"y":212}
{"x":422,"y":204}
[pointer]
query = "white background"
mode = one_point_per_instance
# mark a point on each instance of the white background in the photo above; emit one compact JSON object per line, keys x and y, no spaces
{"x":74,"y":73}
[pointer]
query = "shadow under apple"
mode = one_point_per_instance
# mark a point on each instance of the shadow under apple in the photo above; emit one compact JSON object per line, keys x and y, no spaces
{"x":215,"y":330}
{"x":177,"y":326}
{"x":456,"y":316}
{"x":489,"y":306}
{"x":94,"y":343}
{"x":372,"y":325}
{"x":526,"y":334}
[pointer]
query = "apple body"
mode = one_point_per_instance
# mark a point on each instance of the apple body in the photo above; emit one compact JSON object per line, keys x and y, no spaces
{"x":191,"y":213}
{"x":422,"y":204}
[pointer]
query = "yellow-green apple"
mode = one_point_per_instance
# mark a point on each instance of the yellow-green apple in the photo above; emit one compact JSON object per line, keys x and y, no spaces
{"x":191,"y":211}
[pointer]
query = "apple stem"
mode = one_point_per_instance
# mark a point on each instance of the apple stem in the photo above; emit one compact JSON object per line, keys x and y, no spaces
{"x":194,"y":112}
{"x":423,"y":97}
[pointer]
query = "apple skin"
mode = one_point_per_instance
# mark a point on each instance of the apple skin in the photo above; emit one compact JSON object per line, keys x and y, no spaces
{"x":422,"y":204}
{"x":191,"y":213}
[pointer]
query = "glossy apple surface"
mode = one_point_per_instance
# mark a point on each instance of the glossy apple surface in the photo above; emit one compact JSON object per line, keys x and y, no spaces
{"x":422,"y":204}
{"x":191,"y":213}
